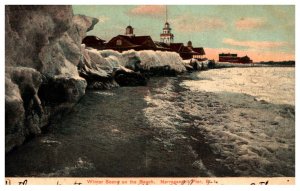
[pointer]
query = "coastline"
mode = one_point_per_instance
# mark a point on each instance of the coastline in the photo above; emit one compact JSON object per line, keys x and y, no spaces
{"x":159,"y":130}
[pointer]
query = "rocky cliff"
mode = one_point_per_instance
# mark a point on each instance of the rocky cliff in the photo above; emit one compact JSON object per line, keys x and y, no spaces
{"x":42,"y":51}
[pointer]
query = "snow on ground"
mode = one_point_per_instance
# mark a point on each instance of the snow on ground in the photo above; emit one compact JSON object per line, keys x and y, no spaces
{"x":253,"y":137}
{"x":276,"y":85}
{"x":163,"y":113}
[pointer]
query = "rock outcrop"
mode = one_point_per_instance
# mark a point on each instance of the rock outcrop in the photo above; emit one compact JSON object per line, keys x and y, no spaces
{"x":96,"y":70}
{"x":42,"y":52}
{"x":106,"y":70}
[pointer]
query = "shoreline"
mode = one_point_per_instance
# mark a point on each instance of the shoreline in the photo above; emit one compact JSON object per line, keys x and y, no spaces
{"x":55,"y":126}
{"x":166,"y":134}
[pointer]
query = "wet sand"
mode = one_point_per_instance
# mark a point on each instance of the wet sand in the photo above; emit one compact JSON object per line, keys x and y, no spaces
{"x":152,"y":131}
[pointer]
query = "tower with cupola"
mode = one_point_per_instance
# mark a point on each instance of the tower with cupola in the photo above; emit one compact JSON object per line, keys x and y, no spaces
{"x":129,"y":31}
{"x":166,"y":36}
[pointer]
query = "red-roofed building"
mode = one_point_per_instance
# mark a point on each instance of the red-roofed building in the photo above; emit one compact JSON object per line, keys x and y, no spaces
{"x":188,"y":52}
{"x":176,"y":47}
{"x":130,"y":41}
{"x":233,"y":58}
{"x":94,"y":42}
{"x":123,"y":42}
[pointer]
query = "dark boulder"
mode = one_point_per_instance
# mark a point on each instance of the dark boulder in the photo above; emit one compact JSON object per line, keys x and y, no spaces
{"x":129,"y":78}
{"x":55,"y":91}
{"x":211,"y":64}
{"x":159,"y":71}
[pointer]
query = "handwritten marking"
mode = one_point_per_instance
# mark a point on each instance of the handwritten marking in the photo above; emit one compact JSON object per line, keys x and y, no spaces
{"x":23,"y":183}
{"x":77,"y":183}
{"x":261,"y":183}
{"x":7,"y":182}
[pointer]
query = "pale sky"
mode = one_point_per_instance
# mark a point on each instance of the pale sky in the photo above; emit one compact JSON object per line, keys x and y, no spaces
{"x":262,"y":32}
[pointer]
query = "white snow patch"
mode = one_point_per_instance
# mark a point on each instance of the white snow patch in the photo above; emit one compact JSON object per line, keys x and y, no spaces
{"x":158,"y":58}
{"x":253,"y":141}
{"x":276,"y":85}
{"x":146,"y":59}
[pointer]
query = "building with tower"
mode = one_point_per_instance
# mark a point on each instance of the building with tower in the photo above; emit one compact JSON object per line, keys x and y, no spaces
{"x":167,"y":37}
{"x":129,"y":41}
{"x":193,"y":52}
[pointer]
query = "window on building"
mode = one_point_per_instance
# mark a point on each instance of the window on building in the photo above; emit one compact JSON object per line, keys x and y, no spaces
{"x":119,"y":42}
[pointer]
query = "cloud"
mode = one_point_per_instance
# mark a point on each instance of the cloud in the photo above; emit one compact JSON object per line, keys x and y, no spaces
{"x":250,"y":23}
{"x":255,"y":55}
{"x":148,"y":10}
{"x":189,"y":23}
{"x":255,"y":44}
{"x":103,"y":19}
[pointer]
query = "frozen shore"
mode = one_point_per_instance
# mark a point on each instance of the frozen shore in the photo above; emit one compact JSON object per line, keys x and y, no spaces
{"x":164,"y":129}
{"x":245,"y":135}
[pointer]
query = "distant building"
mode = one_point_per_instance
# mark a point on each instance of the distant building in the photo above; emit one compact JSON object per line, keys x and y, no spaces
{"x":233,"y":58}
{"x":245,"y":59}
{"x":176,"y":47}
{"x":123,"y":42}
{"x":129,"y":31}
{"x":131,"y":41}
{"x":167,"y":37}
{"x":223,"y":57}
{"x":188,"y":52}
{"x":94,"y":42}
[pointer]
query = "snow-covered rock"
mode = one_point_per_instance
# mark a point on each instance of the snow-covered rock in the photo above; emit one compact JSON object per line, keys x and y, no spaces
{"x":127,"y":68}
{"x":42,"y":51}
{"x":145,"y":60}
{"x":96,"y":70}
